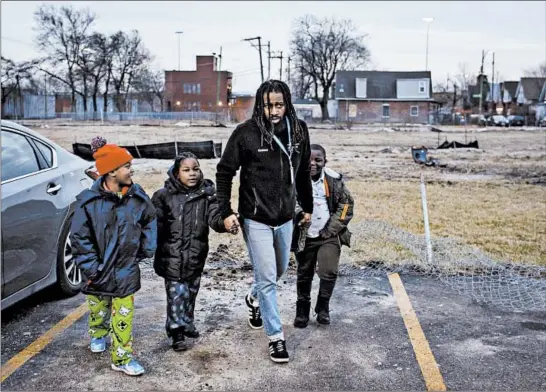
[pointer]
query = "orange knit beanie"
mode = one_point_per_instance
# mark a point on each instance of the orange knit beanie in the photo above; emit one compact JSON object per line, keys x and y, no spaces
{"x":108,"y":157}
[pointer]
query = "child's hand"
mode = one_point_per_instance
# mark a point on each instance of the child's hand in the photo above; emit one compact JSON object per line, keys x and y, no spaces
{"x":306,"y":220}
{"x":231,"y":223}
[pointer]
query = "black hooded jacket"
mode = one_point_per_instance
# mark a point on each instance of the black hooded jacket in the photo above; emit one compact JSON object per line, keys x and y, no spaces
{"x":266,"y":192}
{"x":183,"y":219}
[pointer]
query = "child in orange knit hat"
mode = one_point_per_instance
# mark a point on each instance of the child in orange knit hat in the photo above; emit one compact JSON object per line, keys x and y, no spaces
{"x":114,"y":227}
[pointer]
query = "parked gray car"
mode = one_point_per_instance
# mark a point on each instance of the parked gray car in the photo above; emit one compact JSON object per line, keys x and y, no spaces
{"x":40,"y":182}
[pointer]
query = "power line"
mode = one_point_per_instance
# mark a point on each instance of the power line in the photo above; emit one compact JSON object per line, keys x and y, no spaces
{"x":17,"y":40}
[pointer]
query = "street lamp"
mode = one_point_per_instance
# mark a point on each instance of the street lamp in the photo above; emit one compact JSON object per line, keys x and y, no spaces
{"x":179,"y":33}
{"x":427,"y":21}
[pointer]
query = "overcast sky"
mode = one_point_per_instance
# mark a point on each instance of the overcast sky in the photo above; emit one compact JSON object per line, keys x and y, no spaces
{"x":514,"y":30}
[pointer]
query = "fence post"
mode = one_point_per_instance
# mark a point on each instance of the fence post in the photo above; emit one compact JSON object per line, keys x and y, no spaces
{"x":425,"y":219}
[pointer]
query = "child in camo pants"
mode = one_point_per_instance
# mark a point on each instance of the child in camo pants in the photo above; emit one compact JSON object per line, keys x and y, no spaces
{"x":113,"y":228}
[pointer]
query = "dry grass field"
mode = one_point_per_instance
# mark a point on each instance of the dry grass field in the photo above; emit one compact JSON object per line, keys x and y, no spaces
{"x":492,"y":198}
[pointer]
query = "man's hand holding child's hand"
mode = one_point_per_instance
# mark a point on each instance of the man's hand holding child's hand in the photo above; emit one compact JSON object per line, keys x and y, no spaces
{"x":306,"y":220}
{"x":231,"y":223}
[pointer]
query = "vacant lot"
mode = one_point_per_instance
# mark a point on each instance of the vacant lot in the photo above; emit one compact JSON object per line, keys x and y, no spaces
{"x":492,"y":198}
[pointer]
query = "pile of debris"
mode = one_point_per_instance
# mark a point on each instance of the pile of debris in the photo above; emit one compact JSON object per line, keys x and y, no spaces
{"x":419,"y":155}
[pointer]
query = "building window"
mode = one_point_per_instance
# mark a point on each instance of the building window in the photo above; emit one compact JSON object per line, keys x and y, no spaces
{"x":422,"y":87}
{"x":192,"y":88}
{"x":386,"y":111}
{"x":360,"y":88}
{"x":414,"y":111}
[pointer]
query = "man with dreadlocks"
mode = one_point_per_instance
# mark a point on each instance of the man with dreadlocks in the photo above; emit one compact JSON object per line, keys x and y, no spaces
{"x":272,"y":150}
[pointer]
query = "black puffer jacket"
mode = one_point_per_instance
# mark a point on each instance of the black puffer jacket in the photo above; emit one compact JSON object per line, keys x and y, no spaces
{"x":183,"y":219}
{"x":110,"y":235}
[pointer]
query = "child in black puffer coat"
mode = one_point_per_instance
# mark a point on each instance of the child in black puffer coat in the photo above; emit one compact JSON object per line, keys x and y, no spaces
{"x":186,"y":206}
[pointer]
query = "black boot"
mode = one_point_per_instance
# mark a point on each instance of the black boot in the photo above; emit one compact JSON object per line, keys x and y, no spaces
{"x":191,"y":332}
{"x":179,"y":343}
{"x":322,"y":309}
{"x":302,"y":313}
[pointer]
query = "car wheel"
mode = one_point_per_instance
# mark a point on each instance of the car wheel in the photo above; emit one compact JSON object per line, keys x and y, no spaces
{"x":69,"y":276}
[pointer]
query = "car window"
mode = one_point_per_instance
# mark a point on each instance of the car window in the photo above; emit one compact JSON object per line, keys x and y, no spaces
{"x":46,"y":151}
{"x":18,"y":157}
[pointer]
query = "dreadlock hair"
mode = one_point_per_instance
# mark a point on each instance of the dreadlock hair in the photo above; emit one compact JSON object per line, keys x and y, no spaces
{"x":319,"y":148}
{"x":181,"y":157}
{"x":265,"y":126}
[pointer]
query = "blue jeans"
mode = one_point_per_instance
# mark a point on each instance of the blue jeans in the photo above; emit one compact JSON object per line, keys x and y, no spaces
{"x":269,"y":250}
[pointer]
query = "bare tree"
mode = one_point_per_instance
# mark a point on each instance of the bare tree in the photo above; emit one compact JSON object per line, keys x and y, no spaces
{"x":93,"y":63}
{"x":62,"y":34}
{"x":537,"y":72}
{"x":150,"y":84}
{"x":323,"y":46}
{"x":128,"y":58}
{"x":15,"y":77}
{"x":465,"y":77}
{"x":301,"y":83}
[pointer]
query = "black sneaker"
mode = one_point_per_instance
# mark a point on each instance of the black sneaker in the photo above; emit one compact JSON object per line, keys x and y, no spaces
{"x":277,"y":351}
{"x":254,"y":316}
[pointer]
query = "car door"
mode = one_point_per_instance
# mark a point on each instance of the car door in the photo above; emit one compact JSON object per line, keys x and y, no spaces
{"x":33,"y":210}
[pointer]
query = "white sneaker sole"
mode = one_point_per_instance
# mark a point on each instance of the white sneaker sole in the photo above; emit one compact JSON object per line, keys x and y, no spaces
{"x":117,"y":369}
{"x":97,"y":351}
{"x":279,"y":360}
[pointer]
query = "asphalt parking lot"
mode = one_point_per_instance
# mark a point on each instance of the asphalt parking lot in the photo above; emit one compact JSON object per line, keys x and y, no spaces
{"x":371,"y":343}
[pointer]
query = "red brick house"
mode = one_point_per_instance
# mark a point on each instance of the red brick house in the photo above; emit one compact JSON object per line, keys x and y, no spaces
{"x":197,"y":90}
{"x":385,"y":96}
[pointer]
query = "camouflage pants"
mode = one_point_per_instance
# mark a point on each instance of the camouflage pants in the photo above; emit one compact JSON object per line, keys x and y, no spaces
{"x":181,"y":296}
{"x":114,"y":316}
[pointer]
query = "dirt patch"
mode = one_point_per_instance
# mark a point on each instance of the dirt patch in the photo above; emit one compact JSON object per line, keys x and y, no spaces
{"x":493,"y":197}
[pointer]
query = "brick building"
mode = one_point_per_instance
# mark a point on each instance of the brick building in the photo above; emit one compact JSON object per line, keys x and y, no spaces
{"x":197,"y":90}
{"x":241,"y":107}
{"x":384,"y":96}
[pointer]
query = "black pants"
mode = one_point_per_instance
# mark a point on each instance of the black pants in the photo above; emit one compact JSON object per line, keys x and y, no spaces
{"x":324,"y":254}
{"x":181,"y":296}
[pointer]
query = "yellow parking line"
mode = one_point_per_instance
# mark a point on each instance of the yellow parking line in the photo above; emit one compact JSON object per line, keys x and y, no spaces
{"x":425,"y":358}
{"x":38,"y":345}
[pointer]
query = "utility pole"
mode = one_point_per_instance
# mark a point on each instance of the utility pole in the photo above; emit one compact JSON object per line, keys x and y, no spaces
{"x":259,"y":50}
{"x":481,"y":83}
{"x":268,"y":60}
{"x":288,"y":71}
{"x":280,"y":69}
{"x":302,"y":80}
{"x":45,"y":96}
{"x":218,"y":84}
{"x":493,"y":103}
